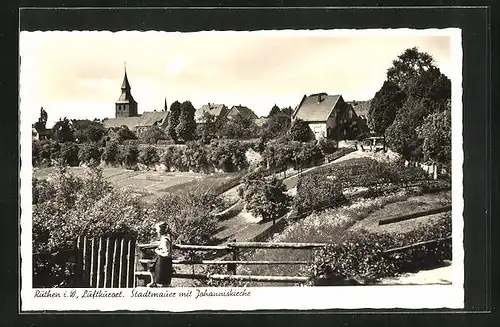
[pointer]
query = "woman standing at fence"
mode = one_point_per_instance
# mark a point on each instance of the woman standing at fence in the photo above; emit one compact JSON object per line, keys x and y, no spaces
{"x":163,"y":270}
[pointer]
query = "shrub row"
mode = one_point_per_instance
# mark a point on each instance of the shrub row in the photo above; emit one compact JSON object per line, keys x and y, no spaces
{"x":283,"y":154}
{"x":371,"y":173}
{"x":228,"y":156}
{"x":360,"y":257}
{"x":317,"y":192}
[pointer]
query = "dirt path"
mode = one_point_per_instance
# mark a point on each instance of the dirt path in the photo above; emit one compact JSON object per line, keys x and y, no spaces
{"x":441,"y":276}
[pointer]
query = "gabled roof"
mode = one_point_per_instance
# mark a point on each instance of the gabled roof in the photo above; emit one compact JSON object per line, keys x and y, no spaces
{"x":211,"y":108}
{"x":244,"y":111}
{"x":146,"y":119}
{"x":316,"y":107}
{"x":130,"y":122}
{"x":361,"y":107}
{"x":150,"y":118}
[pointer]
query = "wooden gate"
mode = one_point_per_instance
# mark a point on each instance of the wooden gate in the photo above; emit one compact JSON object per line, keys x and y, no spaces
{"x":106,"y":262}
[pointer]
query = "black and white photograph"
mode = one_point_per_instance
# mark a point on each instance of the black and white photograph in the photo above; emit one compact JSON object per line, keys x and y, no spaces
{"x":224,"y":169}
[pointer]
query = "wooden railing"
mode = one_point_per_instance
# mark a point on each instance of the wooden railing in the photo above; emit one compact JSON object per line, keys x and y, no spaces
{"x":231,"y":259}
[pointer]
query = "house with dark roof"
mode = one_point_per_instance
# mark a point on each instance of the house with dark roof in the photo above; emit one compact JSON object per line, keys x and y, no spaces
{"x":126,"y":113}
{"x":219,"y":111}
{"x":241,"y":110}
{"x":361,"y":107}
{"x":328,"y":116}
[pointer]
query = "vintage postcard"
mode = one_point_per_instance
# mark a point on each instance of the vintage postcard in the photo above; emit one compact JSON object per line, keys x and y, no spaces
{"x":225,"y":170}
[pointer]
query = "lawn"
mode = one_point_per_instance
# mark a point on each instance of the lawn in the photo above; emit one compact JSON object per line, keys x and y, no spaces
{"x":153,"y":184}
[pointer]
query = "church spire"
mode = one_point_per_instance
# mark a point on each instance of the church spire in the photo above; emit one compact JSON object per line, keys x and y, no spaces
{"x":125,"y":84}
{"x":165,"y":107}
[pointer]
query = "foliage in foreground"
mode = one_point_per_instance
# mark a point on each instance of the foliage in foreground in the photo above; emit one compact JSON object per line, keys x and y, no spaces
{"x":65,"y":207}
{"x":361,"y":257}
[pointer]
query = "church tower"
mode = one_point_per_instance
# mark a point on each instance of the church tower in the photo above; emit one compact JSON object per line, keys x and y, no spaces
{"x":126,"y":106}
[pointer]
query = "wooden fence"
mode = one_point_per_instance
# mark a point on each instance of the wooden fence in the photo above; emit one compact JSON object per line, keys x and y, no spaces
{"x":106,"y":262}
{"x":229,"y":256}
{"x":121,"y":263}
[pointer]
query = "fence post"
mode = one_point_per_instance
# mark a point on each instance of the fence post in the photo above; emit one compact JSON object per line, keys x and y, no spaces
{"x":231,"y":267}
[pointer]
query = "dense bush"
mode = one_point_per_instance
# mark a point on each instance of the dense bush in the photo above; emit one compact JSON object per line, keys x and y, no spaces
{"x":152,"y":135}
{"x":148,"y":156}
{"x":227,"y":155}
{"x":45,"y":152}
{"x":361,"y":257}
{"x":318,"y":192}
{"x":265,"y":197}
{"x":128,"y":155}
{"x":69,"y":154}
{"x":300,"y":131}
{"x":283,"y":154}
{"x":89,"y":153}
{"x":327,"y":146}
{"x":111,"y":153}
{"x":371,"y":173}
{"x":190,"y":217}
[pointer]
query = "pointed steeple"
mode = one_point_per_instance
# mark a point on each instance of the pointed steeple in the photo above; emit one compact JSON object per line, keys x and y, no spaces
{"x":165,"y":107}
{"x":125,"y":84}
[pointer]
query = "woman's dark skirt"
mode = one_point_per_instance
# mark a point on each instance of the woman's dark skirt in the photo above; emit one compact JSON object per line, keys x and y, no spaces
{"x":163,"y":270}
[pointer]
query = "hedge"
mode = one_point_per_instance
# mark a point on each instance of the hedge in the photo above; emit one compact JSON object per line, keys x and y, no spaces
{"x":360,"y":256}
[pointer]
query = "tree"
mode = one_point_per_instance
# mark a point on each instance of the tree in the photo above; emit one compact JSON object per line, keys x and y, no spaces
{"x":153,"y":134}
{"x":300,"y":131}
{"x":276,"y":126}
{"x":287,"y":111}
{"x":274,"y":111}
{"x":238,"y":127}
{"x":209,"y":128}
{"x":149,"y":156}
{"x":408,"y":66}
{"x":88,"y":130}
{"x":63,"y":131}
{"x":173,"y":120}
{"x":111,"y":153}
{"x":125,"y":134}
{"x":69,"y":154}
{"x":187,"y":126}
{"x":266,"y":197}
{"x":436,"y":135}
{"x":384,"y":106}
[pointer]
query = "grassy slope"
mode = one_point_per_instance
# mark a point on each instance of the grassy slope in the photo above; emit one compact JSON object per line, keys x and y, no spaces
{"x":152,"y":184}
{"x":332,"y":225}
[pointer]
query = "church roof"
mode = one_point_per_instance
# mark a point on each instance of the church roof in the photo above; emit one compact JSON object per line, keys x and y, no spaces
{"x":125,"y":83}
{"x":146,"y":119}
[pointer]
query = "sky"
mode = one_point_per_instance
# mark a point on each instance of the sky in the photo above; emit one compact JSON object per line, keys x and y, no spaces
{"x":79,"y":74}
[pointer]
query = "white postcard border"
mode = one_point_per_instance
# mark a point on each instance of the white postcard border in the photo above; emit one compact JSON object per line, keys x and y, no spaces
{"x":264,"y":298}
